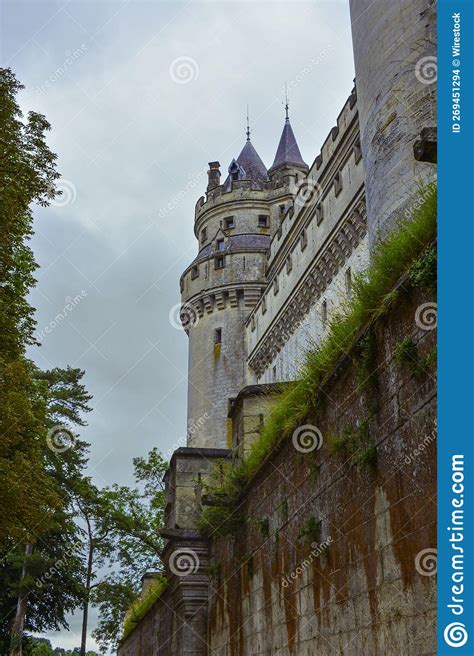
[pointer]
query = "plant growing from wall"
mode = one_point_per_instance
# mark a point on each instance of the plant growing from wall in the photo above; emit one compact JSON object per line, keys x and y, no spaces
{"x":310,"y":531}
{"x":401,"y":255}
{"x":142,"y":605}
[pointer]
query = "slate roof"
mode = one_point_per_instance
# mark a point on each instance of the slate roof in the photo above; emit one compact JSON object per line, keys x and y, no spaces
{"x":244,"y":242}
{"x":288,"y":151}
{"x":250,"y":161}
{"x":252,"y":167}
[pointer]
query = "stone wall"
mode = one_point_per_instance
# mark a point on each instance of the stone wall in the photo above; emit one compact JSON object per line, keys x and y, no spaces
{"x":331,"y":545}
{"x":395,"y":62}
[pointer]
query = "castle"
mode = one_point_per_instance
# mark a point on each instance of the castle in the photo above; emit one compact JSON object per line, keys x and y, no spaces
{"x":278,"y":250}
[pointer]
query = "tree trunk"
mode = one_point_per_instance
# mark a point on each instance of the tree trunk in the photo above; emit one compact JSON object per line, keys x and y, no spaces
{"x":85,"y":608}
{"x":19,"y":621}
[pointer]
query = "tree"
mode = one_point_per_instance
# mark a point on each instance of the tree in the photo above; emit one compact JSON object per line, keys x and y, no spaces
{"x":41,"y":582}
{"x":134,"y":519}
{"x":27,"y":175}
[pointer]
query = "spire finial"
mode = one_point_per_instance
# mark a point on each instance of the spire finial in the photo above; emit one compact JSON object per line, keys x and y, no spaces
{"x":287,"y":103}
{"x":248,"y":124}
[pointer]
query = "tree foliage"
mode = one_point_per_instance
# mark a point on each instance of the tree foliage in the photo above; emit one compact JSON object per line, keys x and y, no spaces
{"x":27,"y":176}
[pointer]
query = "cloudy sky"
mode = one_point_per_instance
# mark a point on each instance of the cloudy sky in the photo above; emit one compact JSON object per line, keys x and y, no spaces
{"x":141,"y":96}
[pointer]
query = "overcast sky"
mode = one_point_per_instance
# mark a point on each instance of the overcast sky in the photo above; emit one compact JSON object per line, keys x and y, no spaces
{"x":141,"y":96}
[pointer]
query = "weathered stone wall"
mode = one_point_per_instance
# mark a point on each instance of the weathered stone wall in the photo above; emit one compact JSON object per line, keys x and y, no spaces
{"x":395,"y":62}
{"x":154,"y":635}
{"x":373,"y":505}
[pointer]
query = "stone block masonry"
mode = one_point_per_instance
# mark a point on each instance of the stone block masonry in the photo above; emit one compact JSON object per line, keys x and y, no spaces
{"x":335,"y":551}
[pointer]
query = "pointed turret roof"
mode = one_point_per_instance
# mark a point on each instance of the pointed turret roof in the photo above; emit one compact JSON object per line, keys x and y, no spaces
{"x":288,"y":151}
{"x":251,"y":163}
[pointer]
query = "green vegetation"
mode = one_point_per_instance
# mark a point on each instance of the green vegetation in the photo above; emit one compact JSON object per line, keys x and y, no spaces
{"x":406,"y":355}
{"x":264,"y":527}
{"x":355,"y":444}
{"x":142,"y":605}
{"x":402,"y":253}
{"x":424,"y":271}
{"x":311,"y":530}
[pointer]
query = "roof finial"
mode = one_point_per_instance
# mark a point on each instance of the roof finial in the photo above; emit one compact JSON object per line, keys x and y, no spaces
{"x":287,"y":104}
{"x":248,"y":124}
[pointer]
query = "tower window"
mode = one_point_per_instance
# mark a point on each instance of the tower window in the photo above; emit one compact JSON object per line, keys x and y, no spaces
{"x":263,"y":221}
{"x":203,"y":235}
{"x":324,"y":312}
{"x":357,"y":152}
{"x":319,"y":213}
{"x":338,"y":183}
{"x":219,"y":262}
{"x":234,"y":175}
{"x":303,"y":239}
{"x":220,"y":244}
{"x":218,"y":336}
{"x":252,"y":323}
{"x":282,"y":209}
{"x":275,"y":285}
{"x":348,"y":278}
{"x":274,"y":373}
{"x":194,"y":272}
{"x":229,"y":222}
{"x":264,"y":304}
{"x":289,"y":264}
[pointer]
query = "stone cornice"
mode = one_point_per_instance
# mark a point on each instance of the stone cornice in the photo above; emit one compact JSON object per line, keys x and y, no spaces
{"x":315,"y":283}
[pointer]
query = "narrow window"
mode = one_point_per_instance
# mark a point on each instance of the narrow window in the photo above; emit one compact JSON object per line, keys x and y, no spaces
{"x":304,"y":239}
{"x":220,"y":244}
{"x":229,"y":222}
{"x":348,"y":277}
{"x":203,"y":235}
{"x":357,"y":152}
{"x":219,"y":262}
{"x":324,"y":312}
{"x":264,"y":304}
{"x":218,"y":336}
{"x":282,"y":209}
{"x":194,"y":272}
{"x":274,"y":372}
{"x":252,"y":323}
{"x":235,"y":175}
{"x":338,"y":183}
{"x":263,"y":221}
{"x":289,"y":264}
{"x":319,"y":213}
{"x":275,"y":286}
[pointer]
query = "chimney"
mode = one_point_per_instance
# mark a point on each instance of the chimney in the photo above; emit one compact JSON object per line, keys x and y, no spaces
{"x":214,"y":175}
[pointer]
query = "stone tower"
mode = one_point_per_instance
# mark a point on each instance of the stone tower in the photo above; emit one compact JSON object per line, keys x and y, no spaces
{"x":234,"y":224}
{"x":395,"y":62}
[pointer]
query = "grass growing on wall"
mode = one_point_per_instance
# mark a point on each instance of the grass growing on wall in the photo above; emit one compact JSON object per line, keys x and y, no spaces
{"x":402,"y":252}
{"x":142,"y":605}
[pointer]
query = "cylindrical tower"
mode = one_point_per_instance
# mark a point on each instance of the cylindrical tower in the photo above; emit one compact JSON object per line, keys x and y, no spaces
{"x":233,"y":225}
{"x":395,"y":61}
